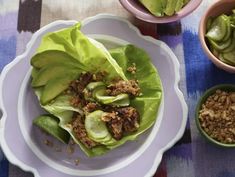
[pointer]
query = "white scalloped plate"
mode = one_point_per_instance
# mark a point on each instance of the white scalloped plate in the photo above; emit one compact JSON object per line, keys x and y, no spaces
{"x":138,"y":158}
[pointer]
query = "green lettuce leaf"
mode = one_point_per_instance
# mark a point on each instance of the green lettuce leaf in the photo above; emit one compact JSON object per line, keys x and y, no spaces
{"x":90,"y":55}
{"x":150,"y":84}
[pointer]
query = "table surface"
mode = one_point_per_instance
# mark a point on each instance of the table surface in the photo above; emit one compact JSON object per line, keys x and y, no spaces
{"x":192,"y":156}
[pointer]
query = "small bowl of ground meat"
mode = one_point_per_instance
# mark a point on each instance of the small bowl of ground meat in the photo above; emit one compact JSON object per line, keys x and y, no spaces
{"x":215,"y":115}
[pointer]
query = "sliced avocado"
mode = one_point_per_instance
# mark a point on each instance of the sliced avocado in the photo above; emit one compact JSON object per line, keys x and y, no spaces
{"x":170,"y":7}
{"x":179,"y":5}
{"x":186,"y":1}
{"x":34,"y":72}
{"x":55,"y":86}
{"x":53,"y":56}
{"x":218,"y":29}
{"x":155,"y":7}
{"x":50,"y":124}
{"x":95,"y":127}
{"x":51,"y":71}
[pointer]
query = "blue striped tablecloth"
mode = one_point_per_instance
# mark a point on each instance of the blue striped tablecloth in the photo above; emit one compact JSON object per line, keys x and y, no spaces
{"x":192,"y":156}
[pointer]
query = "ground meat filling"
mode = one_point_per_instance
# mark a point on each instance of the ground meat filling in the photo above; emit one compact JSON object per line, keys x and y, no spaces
{"x":119,"y":120}
{"x":77,"y":87}
{"x":80,"y":131}
{"x":130,"y":87}
{"x":122,"y":121}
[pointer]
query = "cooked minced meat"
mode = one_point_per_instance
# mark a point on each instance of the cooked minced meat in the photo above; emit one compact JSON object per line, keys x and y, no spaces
{"x":118,"y":120}
{"x":78,"y":85}
{"x":132,"y":69}
{"x":130,"y":87}
{"x":131,"y":118}
{"x":90,"y":107}
{"x":115,"y":124}
{"x":123,"y":120}
{"x":80,"y":131}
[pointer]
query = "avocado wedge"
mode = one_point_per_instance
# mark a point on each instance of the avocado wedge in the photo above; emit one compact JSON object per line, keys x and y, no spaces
{"x":53,"y":56}
{"x":155,"y":7}
{"x":50,"y":124}
{"x":170,"y":7}
{"x":179,"y":5}
{"x":51,"y":71}
{"x":56,"y":86}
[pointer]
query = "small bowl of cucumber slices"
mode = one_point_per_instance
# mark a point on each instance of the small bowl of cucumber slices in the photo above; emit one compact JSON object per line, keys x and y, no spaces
{"x":217,"y":34}
{"x":160,"y":11}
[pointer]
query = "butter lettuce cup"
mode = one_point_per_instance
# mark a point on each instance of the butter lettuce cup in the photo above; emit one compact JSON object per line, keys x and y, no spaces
{"x":98,"y":98}
{"x":215,"y":115}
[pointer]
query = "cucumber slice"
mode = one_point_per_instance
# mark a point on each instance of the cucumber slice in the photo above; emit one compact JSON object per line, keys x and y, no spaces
{"x":209,"y":23}
{"x":228,"y":34}
{"x":220,"y":45}
{"x":95,"y":127}
{"x":232,"y":45}
{"x":218,"y":29}
{"x":91,"y":86}
{"x":229,"y":57}
{"x":119,"y":100}
{"x":215,"y":52}
{"x":221,"y":57}
{"x":50,"y":124}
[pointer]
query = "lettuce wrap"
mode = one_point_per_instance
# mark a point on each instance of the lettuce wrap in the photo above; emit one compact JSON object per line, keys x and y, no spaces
{"x":65,"y":55}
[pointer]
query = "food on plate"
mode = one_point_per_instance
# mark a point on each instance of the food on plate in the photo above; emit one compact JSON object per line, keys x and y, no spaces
{"x":221,"y":37}
{"x":161,"y":8}
{"x":99,"y":98}
{"x":216,"y":116}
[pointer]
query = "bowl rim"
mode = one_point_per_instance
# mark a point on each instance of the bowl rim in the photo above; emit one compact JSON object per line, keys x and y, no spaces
{"x":201,"y":34}
{"x":205,"y":95}
{"x":148,"y":17}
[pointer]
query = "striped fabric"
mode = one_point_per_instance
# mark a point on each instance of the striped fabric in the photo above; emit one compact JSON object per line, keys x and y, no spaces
{"x":192,"y":156}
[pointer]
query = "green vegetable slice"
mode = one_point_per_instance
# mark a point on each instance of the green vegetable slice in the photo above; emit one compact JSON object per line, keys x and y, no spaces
{"x":232,"y":45}
{"x":218,"y":28}
{"x":221,"y":45}
{"x":56,"y":86}
{"x":229,"y":57}
{"x":95,"y":127}
{"x":119,"y":100}
{"x":179,"y":5}
{"x":155,"y":7}
{"x":50,"y":124}
{"x":52,"y":71}
{"x":170,"y":7}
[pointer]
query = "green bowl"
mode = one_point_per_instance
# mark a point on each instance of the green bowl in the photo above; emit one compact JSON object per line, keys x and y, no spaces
{"x":209,"y":92}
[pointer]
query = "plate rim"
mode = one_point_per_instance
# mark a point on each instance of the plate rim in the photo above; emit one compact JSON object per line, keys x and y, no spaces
{"x":12,"y":158}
